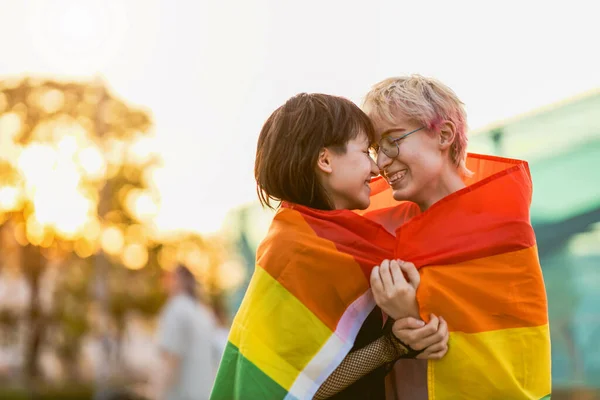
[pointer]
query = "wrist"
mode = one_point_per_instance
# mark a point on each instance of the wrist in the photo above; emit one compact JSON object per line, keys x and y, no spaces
{"x":397,"y":349}
{"x":400,"y":349}
{"x":415,"y":311}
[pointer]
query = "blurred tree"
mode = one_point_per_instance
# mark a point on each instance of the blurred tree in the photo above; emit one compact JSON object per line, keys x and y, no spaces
{"x":76,"y":191}
{"x":75,"y":181}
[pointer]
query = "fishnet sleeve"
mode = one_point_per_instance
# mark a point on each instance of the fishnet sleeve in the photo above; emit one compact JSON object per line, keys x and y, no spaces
{"x":383,"y":351}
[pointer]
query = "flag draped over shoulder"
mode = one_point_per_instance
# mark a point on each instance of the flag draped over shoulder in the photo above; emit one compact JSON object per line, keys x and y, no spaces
{"x":305,"y":304}
{"x":478,"y":260}
{"x":477,"y":256}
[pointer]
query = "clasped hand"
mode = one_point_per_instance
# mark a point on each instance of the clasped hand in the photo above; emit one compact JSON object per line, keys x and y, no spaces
{"x":394,"y":284}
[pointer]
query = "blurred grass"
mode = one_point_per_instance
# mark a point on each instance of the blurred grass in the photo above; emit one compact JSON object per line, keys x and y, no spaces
{"x":64,"y":392}
{"x":48,"y":393}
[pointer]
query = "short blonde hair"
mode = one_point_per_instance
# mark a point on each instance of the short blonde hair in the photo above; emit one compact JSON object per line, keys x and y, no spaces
{"x":426,"y":100}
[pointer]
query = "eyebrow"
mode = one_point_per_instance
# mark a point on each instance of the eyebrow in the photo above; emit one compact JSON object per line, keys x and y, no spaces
{"x":387,"y":132}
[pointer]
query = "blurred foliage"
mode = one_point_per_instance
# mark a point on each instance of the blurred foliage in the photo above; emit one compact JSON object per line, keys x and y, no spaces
{"x":76,"y":192}
{"x":68,"y":164}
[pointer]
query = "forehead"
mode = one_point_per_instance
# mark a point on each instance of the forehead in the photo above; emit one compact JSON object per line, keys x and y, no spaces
{"x":382,"y":125}
{"x":360,"y":138}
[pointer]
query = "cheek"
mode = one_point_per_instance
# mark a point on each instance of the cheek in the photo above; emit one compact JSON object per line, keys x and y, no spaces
{"x":368,"y":164}
{"x":359,"y":166}
{"x":355,"y":174}
{"x":424,"y":163}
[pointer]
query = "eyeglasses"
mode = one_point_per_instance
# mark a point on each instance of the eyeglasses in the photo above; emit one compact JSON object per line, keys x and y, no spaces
{"x":389,"y":146}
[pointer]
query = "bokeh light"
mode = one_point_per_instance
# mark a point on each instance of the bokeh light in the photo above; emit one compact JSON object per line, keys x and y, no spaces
{"x":135,"y":256}
{"x":112,"y":240}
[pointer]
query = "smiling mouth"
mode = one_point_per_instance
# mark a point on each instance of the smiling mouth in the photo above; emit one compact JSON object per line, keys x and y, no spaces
{"x":396,"y":177}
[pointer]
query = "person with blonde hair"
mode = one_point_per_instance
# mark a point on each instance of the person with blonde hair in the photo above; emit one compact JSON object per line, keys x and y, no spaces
{"x":431,"y":164}
{"x":464,"y":222}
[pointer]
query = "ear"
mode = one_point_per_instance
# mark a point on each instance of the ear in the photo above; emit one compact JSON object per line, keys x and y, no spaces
{"x":447,"y":134}
{"x":324,"y":162}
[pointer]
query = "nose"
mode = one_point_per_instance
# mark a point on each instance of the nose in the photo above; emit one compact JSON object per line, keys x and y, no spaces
{"x":374,"y":169}
{"x":383,"y":161}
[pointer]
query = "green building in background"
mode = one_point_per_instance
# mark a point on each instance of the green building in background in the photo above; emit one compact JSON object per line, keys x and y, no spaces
{"x":562,"y":145}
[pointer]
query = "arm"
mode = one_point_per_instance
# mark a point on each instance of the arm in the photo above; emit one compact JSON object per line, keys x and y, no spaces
{"x":359,"y":363}
{"x":172,"y":342}
{"x":397,"y":297}
{"x":405,"y":338}
{"x":167,"y":375}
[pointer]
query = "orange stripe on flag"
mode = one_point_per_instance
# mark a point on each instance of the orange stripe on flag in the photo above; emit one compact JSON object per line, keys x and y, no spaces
{"x":497,"y":292}
{"x":289,"y":255}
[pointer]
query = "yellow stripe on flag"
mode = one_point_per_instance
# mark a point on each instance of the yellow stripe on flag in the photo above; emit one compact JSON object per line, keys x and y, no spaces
{"x":497,"y":365}
{"x":267,"y":304}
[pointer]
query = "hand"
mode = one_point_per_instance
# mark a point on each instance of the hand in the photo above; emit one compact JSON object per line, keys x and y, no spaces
{"x":433,"y":336}
{"x":395,"y":295}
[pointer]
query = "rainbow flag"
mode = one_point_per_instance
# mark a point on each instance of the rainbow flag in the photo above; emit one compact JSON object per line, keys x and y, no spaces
{"x":477,"y":256}
{"x":305,"y":304}
{"x":479,"y":266}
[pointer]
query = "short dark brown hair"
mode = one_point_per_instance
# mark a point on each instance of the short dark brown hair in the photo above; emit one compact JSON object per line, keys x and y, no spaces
{"x":291,"y":140}
{"x":187,"y":280}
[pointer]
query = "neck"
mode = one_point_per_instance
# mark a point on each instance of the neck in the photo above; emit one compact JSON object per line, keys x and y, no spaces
{"x":448,"y":183}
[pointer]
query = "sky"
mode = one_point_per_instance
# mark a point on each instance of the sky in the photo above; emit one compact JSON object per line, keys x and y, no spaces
{"x":211,"y":72}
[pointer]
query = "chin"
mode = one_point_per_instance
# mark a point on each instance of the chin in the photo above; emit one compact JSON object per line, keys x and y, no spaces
{"x":407,"y":193}
{"x":363,"y":205}
{"x":401,"y":195}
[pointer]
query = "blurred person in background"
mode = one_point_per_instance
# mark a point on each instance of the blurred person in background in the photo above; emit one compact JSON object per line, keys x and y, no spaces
{"x":188,"y":342}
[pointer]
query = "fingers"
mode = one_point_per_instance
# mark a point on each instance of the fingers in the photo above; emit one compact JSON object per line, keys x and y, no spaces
{"x":391,"y":273}
{"x":414,"y":278}
{"x":435,"y":352}
{"x":392,"y":293}
{"x":440,"y":348}
{"x":386,"y":277}
{"x":376,"y":283}
{"x":417,"y":338}
{"x":427,"y":335}
{"x":438,"y":337}
{"x":443,"y":328}
{"x":408,"y":323}
{"x":396,"y":272}
{"x":433,"y":356}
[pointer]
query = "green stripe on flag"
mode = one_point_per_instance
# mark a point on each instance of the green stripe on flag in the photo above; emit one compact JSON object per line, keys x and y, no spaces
{"x":238,"y":378}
